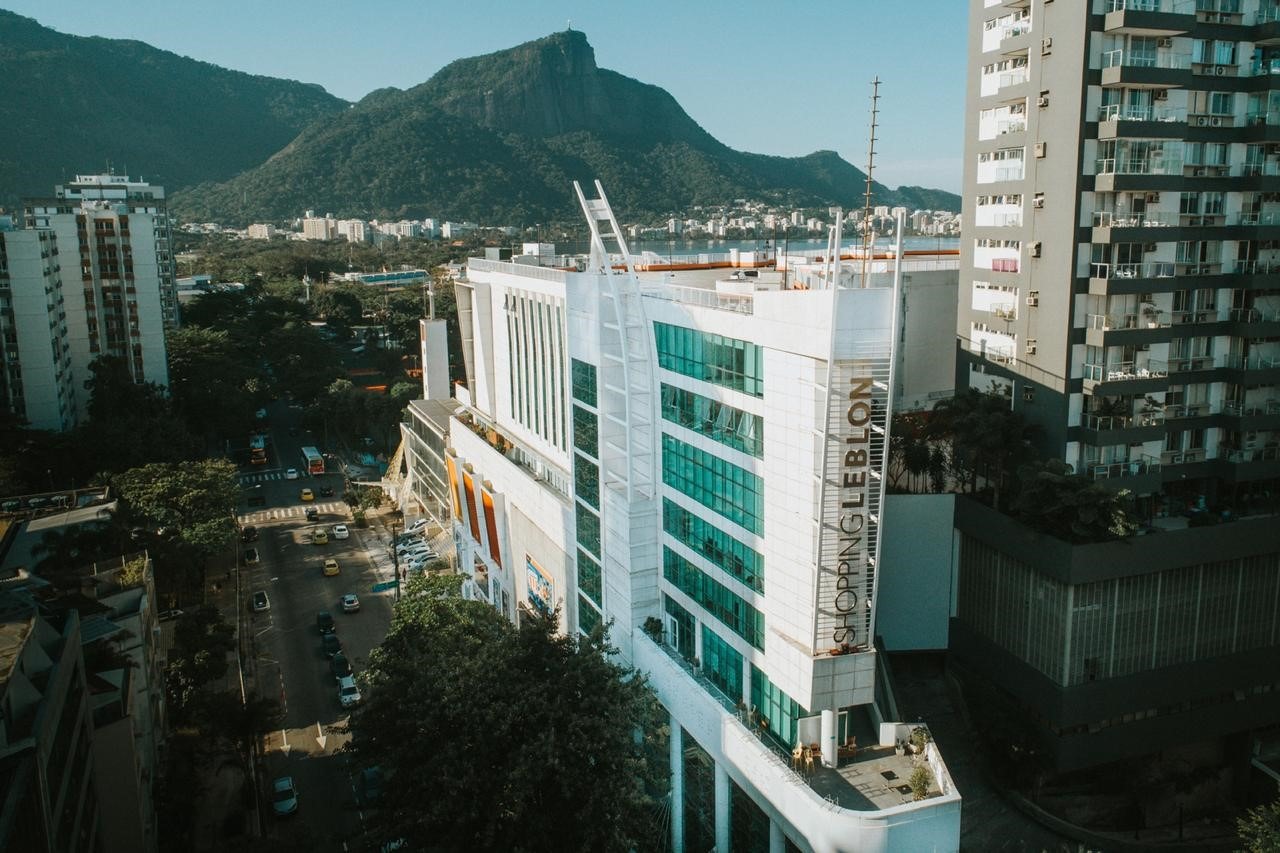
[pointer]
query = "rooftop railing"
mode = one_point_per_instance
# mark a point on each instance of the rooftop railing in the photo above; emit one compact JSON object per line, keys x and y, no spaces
{"x":704,"y":297}
{"x":525,"y":270}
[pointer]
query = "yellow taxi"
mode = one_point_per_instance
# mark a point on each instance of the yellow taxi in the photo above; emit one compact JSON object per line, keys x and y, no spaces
{"x":308,"y":495}
{"x":319,"y":537}
{"x":330,"y":567}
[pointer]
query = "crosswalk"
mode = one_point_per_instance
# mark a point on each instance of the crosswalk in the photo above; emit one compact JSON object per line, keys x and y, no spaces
{"x":261,"y":477}
{"x":329,"y":509}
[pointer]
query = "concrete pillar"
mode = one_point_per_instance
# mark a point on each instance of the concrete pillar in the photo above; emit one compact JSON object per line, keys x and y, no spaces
{"x":722,"y":809}
{"x":777,"y":840}
{"x":676,"y":748}
{"x":828,"y":745}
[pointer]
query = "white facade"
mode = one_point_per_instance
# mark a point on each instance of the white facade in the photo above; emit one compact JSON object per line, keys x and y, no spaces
{"x":38,"y":382}
{"x":707,"y":459}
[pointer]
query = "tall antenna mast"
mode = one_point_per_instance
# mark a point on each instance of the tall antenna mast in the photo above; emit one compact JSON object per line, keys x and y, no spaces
{"x":871,"y":165}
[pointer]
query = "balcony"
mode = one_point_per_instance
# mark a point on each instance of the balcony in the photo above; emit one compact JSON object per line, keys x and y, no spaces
{"x":1148,"y":17}
{"x":1159,"y":269}
{"x":1139,"y":166}
{"x":1145,"y":464}
{"x":1183,"y":457}
{"x":1124,"y":371}
{"x":1187,"y":410}
{"x":1257,"y":454}
{"x":1143,"y":69}
{"x":1236,"y":409}
{"x":1110,"y":423}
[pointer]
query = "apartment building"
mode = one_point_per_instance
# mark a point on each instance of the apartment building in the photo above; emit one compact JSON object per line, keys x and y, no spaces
{"x":37,"y":383}
{"x":1120,"y":285}
{"x":119,"y":234}
{"x":700,"y":463}
{"x":48,"y":799}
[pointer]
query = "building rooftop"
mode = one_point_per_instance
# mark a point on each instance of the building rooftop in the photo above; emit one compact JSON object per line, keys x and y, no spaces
{"x":16,"y":623}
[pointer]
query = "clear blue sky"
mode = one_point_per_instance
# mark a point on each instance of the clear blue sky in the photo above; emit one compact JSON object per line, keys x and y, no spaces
{"x":771,"y":78}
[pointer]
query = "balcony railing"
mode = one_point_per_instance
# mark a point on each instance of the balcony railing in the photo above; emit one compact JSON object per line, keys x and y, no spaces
{"x":1124,"y":112}
{"x":1161,"y":269}
{"x":1189,"y":364}
{"x":1143,"y":59}
{"x":1254,"y":170}
{"x":1245,"y":410}
{"x":1176,"y":7}
{"x":1124,"y":370}
{"x":1207,"y":315}
{"x":1114,"y":219}
{"x":1254,"y":315}
{"x":1145,"y":464}
{"x":1254,"y":361}
{"x":1255,"y":454}
{"x":1004,"y":310}
{"x":1112,"y":322}
{"x":1256,"y":267}
{"x":1110,"y":422}
{"x":997,"y":219}
{"x":1181,"y":457}
{"x":1139,"y":166}
{"x":1259,"y":118}
{"x":1187,"y":410}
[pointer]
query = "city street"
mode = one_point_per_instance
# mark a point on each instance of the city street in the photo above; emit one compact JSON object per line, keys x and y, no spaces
{"x":284,"y":642}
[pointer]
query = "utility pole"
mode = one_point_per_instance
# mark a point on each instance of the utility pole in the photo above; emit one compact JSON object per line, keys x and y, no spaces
{"x":395,"y":556}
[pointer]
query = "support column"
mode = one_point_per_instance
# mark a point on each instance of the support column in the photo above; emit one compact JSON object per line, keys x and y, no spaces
{"x":777,"y":840}
{"x":722,"y":809}
{"x":676,"y":748}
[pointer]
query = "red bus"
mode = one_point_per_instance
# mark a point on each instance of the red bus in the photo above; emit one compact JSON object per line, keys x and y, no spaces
{"x":312,"y":461}
{"x":258,"y":449}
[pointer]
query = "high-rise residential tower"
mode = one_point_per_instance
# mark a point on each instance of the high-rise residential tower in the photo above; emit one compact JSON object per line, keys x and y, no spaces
{"x":115,"y":237}
{"x":1120,"y":284}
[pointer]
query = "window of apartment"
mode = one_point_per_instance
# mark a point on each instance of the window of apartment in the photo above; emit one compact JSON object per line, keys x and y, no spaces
{"x":680,"y":627}
{"x":1213,"y":52}
{"x":778,"y":711}
{"x":721,"y":664}
{"x":584,"y":381}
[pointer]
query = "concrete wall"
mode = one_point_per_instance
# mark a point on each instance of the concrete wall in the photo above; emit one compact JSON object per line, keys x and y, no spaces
{"x":914,"y":602}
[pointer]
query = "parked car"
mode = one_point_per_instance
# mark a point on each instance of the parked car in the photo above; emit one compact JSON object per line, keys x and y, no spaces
{"x":261,"y":603}
{"x":369,"y":790}
{"x":307,"y":495}
{"x":284,"y":797}
{"x":340,"y":531}
{"x":326,"y":491}
{"x":350,"y":603}
{"x":339,"y":666}
{"x":330,"y":568}
{"x":330,"y":645}
{"x":319,"y":536}
{"x":166,"y":615}
{"x":11,"y":506}
{"x":417,"y":526}
{"x":324,"y":622}
{"x":291,"y":474}
{"x":312,"y":514}
{"x":249,"y":534}
{"x":251,"y":555}
{"x":38,"y":503}
{"x":348,"y":693}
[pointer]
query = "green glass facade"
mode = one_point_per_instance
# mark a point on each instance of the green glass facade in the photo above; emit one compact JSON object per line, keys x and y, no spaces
{"x":589,"y":577}
{"x":682,"y":642}
{"x":586,"y":480}
{"x":718,"y":421}
{"x":585,"y":433}
{"x":588,"y":617}
{"x":588,"y":524}
{"x":736,"y":614}
{"x":715,"y":483}
{"x":721,"y":664}
{"x":778,"y":708}
{"x":584,"y":381}
{"x":712,"y":358}
{"x":730,"y":555}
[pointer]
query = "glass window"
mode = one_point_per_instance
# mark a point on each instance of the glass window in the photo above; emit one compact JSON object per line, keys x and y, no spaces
{"x":713,"y":358}
{"x":586,"y":480}
{"x":736,"y":614}
{"x":588,"y":529}
{"x":777,"y":710}
{"x":588,"y":617}
{"x":721,"y":549}
{"x":584,"y":382}
{"x":717,"y":484}
{"x":721,"y":664}
{"x":730,"y":426}
{"x":586,"y":435}
{"x":589,"y":577}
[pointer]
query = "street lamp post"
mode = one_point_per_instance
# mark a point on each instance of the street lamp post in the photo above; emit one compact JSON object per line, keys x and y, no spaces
{"x":395,"y":556}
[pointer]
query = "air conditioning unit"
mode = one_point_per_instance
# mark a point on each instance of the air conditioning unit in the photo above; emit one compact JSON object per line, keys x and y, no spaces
{"x":1215,"y":121}
{"x":1035,"y":249}
{"x":1038,"y":202}
{"x":1144,"y":347}
{"x":1046,"y":44}
{"x":1199,"y":172}
{"x":1164,"y":42}
{"x":1153,"y":198}
{"x":1031,"y":347}
{"x":1033,"y":300}
{"x":1042,"y":101}
{"x":1041,"y":148}
{"x":1161,"y":95}
{"x":1219,"y":70}
{"x":1150,"y":247}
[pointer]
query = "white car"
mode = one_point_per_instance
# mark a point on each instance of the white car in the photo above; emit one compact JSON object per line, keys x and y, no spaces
{"x":340,"y":531}
{"x":291,"y":474}
{"x":420,"y":524}
{"x":348,"y":693}
{"x":350,"y":603}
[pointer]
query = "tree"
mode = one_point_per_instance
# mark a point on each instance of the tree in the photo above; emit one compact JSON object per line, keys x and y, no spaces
{"x":211,"y":381}
{"x":196,"y":500}
{"x":987,"y":438}
{"x":504,"y":738}
{"x":303,"y":363}
{"x":1259,"y":829}
{"x":1071,"y":506}
{"x":201,"y":643}
{"x":339,"y":308}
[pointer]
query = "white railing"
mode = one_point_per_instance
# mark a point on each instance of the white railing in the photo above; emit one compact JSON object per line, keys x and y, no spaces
{"x":525,"y":270}
{"x":1138,"y":166}
{"x":1162,"y":269}
{"x":1177,"y":7}
{"x":1122,"y":112}
{"x":1119,"y":219}
{"x":701,"y":296}
{"x":1118,"y":371}
{"x":1121,"y":58}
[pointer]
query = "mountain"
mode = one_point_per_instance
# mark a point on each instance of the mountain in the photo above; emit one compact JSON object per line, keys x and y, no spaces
{"x":74,"y":105}
{"x":500,"y":139}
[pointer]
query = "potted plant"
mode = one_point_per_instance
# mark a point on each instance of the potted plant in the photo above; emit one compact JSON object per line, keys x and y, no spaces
{"x":653,"y":627}
{"x":1151,"y":313}
{"x":920,"y":738}
{"x":919,"y":783}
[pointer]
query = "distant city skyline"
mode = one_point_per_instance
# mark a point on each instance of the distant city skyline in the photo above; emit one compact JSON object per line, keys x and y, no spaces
{"x":757,"y":77}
